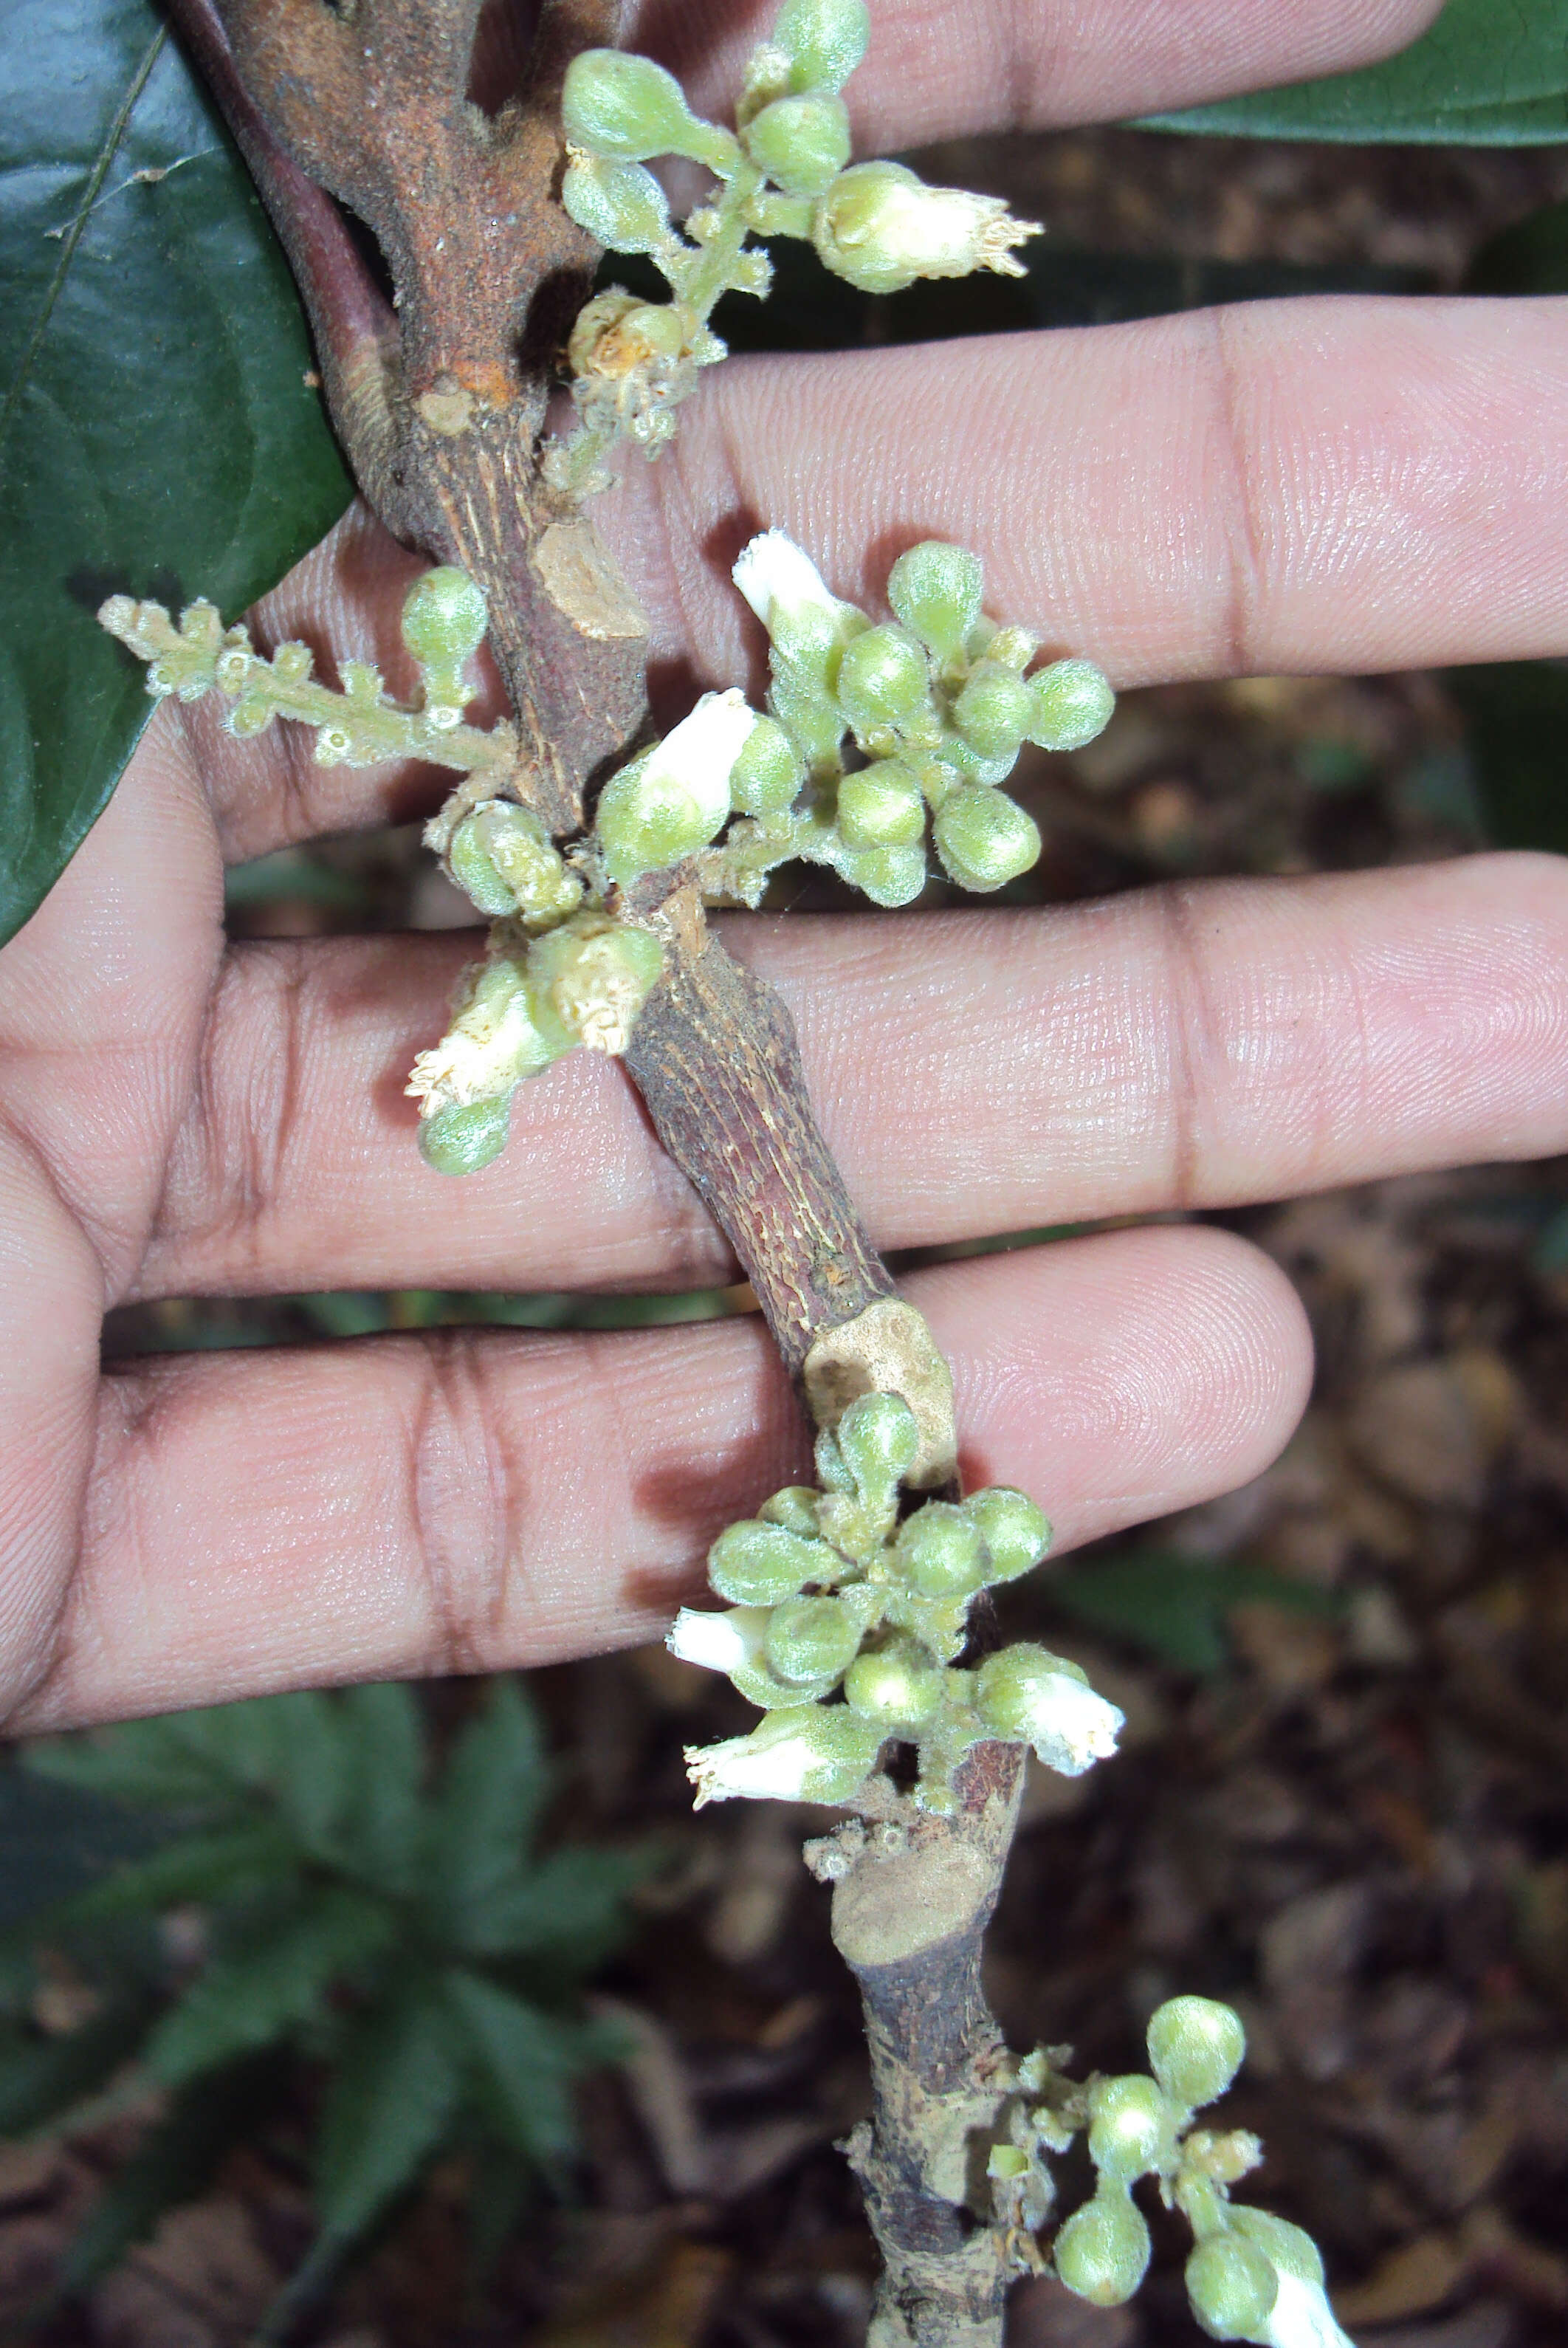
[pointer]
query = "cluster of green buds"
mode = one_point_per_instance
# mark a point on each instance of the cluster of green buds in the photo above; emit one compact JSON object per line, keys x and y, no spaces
{"x":889,"y":729}
{"x":1250,"y":2276}
{"x":875,"y":738}
{"x":846,"y":1619}
{"x":783,"y":170}
{"x":444,"y":622}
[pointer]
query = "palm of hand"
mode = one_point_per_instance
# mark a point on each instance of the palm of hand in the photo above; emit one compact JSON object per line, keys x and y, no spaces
{"x":1246,"y":492}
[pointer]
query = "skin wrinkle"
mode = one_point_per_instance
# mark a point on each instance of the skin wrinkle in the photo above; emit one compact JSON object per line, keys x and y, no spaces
{"x":458,"y":1503}
{"x":1239,"y":515}
{"x":1076,"y":1009}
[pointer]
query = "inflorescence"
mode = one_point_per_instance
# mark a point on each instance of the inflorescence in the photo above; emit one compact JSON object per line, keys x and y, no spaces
{"x":783,"y":170}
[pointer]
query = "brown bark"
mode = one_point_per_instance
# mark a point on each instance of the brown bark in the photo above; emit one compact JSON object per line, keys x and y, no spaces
{"x":439,"y":404}
{"x":910,"y":1917}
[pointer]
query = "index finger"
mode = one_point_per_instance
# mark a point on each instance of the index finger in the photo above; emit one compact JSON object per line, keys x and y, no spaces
{"x":935,"y":70}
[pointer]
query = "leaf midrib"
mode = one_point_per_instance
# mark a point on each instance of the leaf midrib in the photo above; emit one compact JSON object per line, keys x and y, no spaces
{"x":112,"y":140}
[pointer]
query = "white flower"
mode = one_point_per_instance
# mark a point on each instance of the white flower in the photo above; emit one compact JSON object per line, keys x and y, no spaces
{"x":809,"y":1754}
{"x":786,"y":589}
{"x":718,"y":1641}
{"x":1072,"y":1727}
{"x":880,"y":226}
{"x":493,"y":1043}
{"x":1301,"y":2316}
{"x":697,"y":756}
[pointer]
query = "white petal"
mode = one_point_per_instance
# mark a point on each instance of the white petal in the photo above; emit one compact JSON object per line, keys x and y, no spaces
{"x":746,"y":1770}
{"x":1072,"y":1727}
{"x":718,"y":1641}
{"x":1301,"y":2316}
{"x":776,"y":577}
{"x":700,"y":753}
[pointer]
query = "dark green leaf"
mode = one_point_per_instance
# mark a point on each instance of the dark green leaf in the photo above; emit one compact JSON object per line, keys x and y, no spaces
{"x":1173,"y":1605}
{"x":41,"y":2077}
{"x":242,"y":2003}
{"x":1550,"y":1253}
{"x":1517,"y":726}
{"x":489,"y":1799}
{"x":198,"y":1866}
{"x":157,"y":435}
{"x":387,"y":2107}
{"x":55,"y":1838}
{"x":1490,"y":73}
{"x":501,"y":2191}
{"x":523,"y":2061}
{"x":176,"y":2162}
{"x":384,"y":1816}
{"x":571,"y":1904}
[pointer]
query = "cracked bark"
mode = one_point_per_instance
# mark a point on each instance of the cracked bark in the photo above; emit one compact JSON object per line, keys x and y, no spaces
{"x":438,"y":400}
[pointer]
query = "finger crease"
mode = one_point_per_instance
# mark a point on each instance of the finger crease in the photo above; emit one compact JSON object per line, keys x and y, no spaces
{"x":1244,"y":551}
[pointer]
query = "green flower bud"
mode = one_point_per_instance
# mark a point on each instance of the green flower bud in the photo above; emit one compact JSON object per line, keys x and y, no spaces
{"x":898,"y":1687}
{"x":766,"y":778}
{"x":795,"y":1508}
{"x":629,"y":108}
{"x":881,"y":227}
{"x":994,"y":711}
{"x":444,"y":618}
{"x":501,"y":847}
{"x":474,"y":870}
{"x":1196,"y":2048}
{"x":812,"y":1752}
{"x":1103,"y":2251}
{"x":938,"y":1551}
{"x":1233,"y":2286}
{"x":823,"y":40}
{"x":756,"y":1564}
{"x":883,"y":679}
{"x":1132,"y":2128}
{"x":1289,"y":2249}
{"x":760,"y":1685}
{"x":935,"y":590}
{"x":801,"y":143}
{"x":811,"y":1639}
{"x":882,"y":806}
{"x":620,"y":204}
{"x":878,"y":1440}
{"x":1026,"y":1694}
{"x":1015,"y":1532}
{"x":589,"y":980}
{"x":675,"y":797}
{"x":983,"y":838}
{"x":888,"y":876}
{"x":1072,"y":703}
{"x":461,"y":1140}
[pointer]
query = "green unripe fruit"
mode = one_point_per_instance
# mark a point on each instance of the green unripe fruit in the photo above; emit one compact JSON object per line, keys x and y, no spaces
{"x":1232,"y":2286}
{"x":756,"y":1564}
{"x":1015,"y":1532}
{"x":1132,"y":2129}
{"x":811,"y":1639}
{"x":1103,"y":2251}
{"x":765,"y":779}
{"x":1196,"y":2048}
{"x":1072,"y":701}
{"x":983,"y":838}
{"x":823,"y":40}
{"x":994,"y":711}
{"x":461,"y":1140}
{"x":888,"y":876}
{"x":898,"y":1687}
{"x":1288,"y":2250}
{"x":626,"y":106}
{"x":647,"y":819}
{"x":883,"y":679}
{"x":474,"y":870}
{"x":620,"y":204}
{"x":801,"y":143}
{"x":881,"y":806}
{"x":935,"y":590}
{"x":795,"y":1508}
{"x":878,"y":1440}
{"x":938,"y":1552}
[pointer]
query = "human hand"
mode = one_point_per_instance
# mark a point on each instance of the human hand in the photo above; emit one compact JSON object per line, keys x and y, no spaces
{"x":1309,"y":486}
